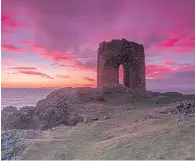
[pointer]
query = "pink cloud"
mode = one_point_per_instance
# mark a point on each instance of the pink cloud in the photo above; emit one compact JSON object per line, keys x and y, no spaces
{"x":157,"y":71}
{"x":73,"y":26}
{"x":62,"y":59}
{"x":169,"y":62}
{"x":169,"y":43}
{"x":181,"y":44}
{"x":14,"y":49}
{"x":8,"y":23}
{"x":31,"y":72}
{"x":55,"y":56}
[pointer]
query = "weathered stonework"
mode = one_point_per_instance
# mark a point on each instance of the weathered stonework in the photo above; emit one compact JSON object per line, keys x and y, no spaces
{"x":121,"y":52}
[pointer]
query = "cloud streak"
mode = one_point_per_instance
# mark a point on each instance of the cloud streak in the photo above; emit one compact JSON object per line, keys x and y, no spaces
{"x":23,"y":68}
{"x":31,"y":72}
{"x":13,"y":49}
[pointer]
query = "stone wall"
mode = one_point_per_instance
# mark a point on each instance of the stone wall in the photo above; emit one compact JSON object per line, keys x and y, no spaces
{"x":121,"y":52}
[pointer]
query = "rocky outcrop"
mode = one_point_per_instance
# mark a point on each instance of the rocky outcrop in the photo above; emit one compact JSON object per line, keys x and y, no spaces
{"x":186,"y":107}
{"x":51,"y":113}
{"x":183,"y":109}
{"x":62,"y":106}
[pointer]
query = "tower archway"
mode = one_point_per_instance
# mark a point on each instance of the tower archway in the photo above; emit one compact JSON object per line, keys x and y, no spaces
{"x":121,"y":74}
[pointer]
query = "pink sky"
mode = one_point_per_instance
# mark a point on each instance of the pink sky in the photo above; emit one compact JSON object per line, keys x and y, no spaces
{"x":53,"y":43}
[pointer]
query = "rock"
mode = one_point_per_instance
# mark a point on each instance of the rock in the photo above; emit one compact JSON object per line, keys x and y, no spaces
{"x":9,"y":118}
{"x":11,"y":145}
{"x":164,"y":110}
{"x":185,"y":107}
{"x":90,"y":94}
{"x":26,"y":118}
{"x":52,"y":114}
{"x":59,"y":107}
{"x":14,"y":142}
{"x":75,"y":120}
{"x":96,"y":98}
{"x":17,"y":119}
{"x":9,"y":109}
{"x":172,"y":94}
{"x":115,"y":88}
{"x":106,"y":117}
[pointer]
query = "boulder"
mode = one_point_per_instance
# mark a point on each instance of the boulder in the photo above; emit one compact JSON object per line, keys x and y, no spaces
{"x":186,"y":107}
{"x":14,"y":142}
{"x":51,"y":114}
{"x":59,"y":107}
{"x":11,"y":145}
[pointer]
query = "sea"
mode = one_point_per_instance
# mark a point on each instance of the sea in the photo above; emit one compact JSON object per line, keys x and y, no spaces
{"x":20,"y":97}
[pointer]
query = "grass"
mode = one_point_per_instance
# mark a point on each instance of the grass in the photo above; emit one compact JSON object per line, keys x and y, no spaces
{"x":119,"y":137}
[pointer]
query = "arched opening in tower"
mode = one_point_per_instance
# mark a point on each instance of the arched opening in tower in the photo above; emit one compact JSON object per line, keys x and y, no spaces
{"x":121,"y":74}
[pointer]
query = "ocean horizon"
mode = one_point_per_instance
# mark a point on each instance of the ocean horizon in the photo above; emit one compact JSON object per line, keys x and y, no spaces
{"x":20,"y":97}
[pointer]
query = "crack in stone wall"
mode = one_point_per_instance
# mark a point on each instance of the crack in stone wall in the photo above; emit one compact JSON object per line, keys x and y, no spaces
{"x":121,"y":52}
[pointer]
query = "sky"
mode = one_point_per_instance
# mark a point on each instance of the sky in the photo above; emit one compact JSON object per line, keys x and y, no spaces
{"x":53,"y":43}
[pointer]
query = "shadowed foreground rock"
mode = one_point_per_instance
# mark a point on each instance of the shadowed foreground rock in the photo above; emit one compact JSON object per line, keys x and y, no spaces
{"x":11,"y":145}
{"x":14,"y":142}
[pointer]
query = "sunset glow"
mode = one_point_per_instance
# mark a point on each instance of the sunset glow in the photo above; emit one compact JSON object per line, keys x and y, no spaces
{"x":54,"y":43}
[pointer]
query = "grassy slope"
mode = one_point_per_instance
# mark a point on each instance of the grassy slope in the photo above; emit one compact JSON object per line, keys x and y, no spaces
{"x":119,"y":137}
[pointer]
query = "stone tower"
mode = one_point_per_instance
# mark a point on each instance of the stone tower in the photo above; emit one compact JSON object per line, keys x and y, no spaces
{"x":121,"y":52}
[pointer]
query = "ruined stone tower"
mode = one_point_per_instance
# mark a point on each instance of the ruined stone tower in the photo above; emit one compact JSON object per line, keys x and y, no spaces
{"x":121,"y":52}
